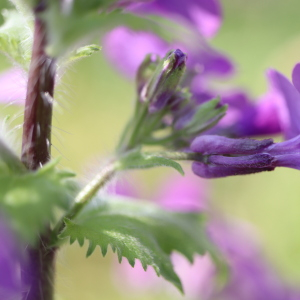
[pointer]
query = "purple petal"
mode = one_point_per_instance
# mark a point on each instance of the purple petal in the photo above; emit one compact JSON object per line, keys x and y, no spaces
{"x":261,"y":160}
{"x":126,"y":49}
{"x":296,"y":77}
{"x":213,"y":171}
{"x":246,"y":118}
{"x":287,"y":147}
{"x":13,"y":86}
{"x":251,"y":277}
{"x":10,"y":285}
{"x":290,"y":103}
{"x":214,"y":144}
{"x":205,"y":15}
{"x":289,"y":160}
{"x":183,"y":194}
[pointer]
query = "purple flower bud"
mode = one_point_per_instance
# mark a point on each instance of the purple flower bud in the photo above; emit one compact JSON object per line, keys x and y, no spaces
{"x":162,"y":86}
{"x":205,"y":15}
{"x":233,"y":155}
{"x":213,"y":144}
{"x":216,"y":171}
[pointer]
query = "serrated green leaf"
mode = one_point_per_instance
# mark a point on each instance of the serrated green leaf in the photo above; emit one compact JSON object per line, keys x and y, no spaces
{"x":29,"y":199}
{"x":137,"y":230}
{"x":16,"y":37}
{"x":140,"y":160}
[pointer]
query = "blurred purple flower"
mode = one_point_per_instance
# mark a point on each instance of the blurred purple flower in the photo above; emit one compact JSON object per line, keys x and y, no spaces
{"x":13,"y":86}
{"x":251,"y":276}
{"x":245,"y":118}
{"x":10,"y":285}
{"x":288,"y":100}
{"x":126,"y":49}
{"x":205,"y":15}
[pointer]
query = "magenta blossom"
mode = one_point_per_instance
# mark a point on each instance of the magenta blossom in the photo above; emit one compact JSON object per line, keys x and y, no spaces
{"x":13,"y":86}
{"x":246,"y":117}
{"x":205,"y":15}
{"x":288,"y":100}
{"x":10,"y":283}
{"x":126,"y":49}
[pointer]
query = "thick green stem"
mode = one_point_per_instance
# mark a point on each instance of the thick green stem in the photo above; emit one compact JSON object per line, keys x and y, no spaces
{"x":38,"y":271}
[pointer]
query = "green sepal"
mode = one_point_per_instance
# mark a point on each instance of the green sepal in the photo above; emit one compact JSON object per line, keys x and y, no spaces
{"x":139,"y":160}
{"x":138,"y":230}
{"x":206,"y":116}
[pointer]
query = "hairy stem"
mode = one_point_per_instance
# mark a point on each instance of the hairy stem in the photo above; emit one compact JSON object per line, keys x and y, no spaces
{"x":38,"y":106}
{"x":38,"y":271}
{"x":176,"y":155}
{"x":87,"y":194}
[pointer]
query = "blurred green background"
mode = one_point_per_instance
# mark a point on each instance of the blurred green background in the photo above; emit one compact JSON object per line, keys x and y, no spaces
{"x":94,"y":102}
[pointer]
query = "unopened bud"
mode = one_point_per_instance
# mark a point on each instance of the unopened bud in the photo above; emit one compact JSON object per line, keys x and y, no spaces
{"x":162,"y":85}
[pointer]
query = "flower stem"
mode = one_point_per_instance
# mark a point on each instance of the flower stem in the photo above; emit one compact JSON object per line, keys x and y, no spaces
{"x":38,"y":271}
{"x":87,"y":194}
{"x":176,"y":155}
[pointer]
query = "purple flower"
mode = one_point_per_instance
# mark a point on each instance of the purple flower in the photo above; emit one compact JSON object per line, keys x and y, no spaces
{"x":288,"y":100}
{"x":205,"y":15}
{"x":251,"y":276}
{"x":10,"y":284}
{"x":245,"y":118}
{"x":13,"y":86}
{"x":126,"y":50}
{"x":224,"y":156}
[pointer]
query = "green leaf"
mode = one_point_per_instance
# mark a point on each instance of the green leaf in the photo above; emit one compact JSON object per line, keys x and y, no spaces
{"x":139,"y":160}
{"x":83,"y":52}
{"x":10,"y":159}
{"x":142,"y":231}
{"x":30,"y":199}
{"x":16,"y":37}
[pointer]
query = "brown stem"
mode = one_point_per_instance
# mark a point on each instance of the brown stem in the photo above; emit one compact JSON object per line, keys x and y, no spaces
{"x":38,"y":106}
{"x":38,"y":271}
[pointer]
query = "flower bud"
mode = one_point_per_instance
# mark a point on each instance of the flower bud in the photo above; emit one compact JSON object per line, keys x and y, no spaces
{"x":146,"y":71}
{"x":162,"y":85}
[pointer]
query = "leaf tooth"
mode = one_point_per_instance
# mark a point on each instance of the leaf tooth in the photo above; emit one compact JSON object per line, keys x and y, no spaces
{"x":145,"y":266}
{"x":103,"y":249}
{"x":72,"y":239}
{"x":157,"y":270}
{"x":91,"y":248}
{"x":113,"y":248}
{"x":80,"y":241}
{"x":119,"y":252}
{"x":131,"y":261}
